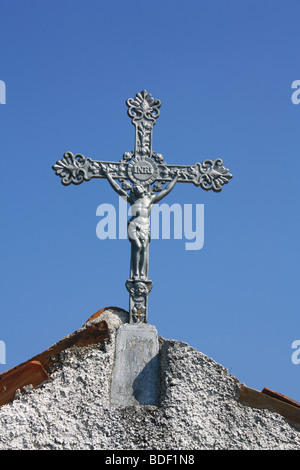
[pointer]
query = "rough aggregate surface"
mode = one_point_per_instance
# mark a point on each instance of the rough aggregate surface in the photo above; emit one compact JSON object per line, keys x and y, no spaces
{"x":198,"y":407}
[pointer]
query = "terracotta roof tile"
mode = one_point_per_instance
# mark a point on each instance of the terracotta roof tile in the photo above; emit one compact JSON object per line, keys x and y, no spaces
{"x":35,"y":371}
{"x":255,"y":399}
{"x":281,"y":397}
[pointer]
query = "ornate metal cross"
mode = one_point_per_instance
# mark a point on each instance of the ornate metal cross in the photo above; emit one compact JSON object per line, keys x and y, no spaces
{"x":143,"y":175}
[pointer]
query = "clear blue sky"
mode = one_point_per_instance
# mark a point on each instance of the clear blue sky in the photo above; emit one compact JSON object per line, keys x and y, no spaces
{"x":223,"y":71}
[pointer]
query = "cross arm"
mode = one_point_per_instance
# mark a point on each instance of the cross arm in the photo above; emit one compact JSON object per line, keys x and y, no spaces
{"x":76,"y":168}
{"x":209,"y":175}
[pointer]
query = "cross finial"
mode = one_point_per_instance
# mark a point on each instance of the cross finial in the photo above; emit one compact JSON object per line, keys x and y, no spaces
{"x":143,"y":110}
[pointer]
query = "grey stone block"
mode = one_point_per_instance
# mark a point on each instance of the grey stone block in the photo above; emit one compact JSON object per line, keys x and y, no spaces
{"x":135,"y":372}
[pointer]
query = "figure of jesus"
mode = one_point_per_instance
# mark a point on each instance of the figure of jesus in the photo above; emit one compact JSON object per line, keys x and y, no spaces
{"x":141,"y":200}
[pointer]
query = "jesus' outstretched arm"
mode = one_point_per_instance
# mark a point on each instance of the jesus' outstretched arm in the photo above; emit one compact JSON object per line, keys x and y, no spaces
{"x":115,"y":186}
{"x":166,"y":190}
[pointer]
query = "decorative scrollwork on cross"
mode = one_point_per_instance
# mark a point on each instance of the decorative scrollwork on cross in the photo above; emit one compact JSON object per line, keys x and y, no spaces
{"x":143,"y":106}
{"x":213,"y":175}
{"x":143,"y":110}
{"x":209,"y":175}
{"x":75,"y":168}
{"x":139,"y":291}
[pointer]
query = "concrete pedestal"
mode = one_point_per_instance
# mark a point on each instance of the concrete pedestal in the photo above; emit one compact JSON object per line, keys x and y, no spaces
{"x":135,"y":373}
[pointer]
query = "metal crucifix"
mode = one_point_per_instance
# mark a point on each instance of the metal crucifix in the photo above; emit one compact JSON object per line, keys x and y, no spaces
{"x":143,"y":175}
